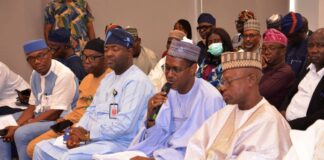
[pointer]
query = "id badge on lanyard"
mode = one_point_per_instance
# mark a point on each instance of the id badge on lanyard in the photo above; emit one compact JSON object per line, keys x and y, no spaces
{"x":113,"y":107}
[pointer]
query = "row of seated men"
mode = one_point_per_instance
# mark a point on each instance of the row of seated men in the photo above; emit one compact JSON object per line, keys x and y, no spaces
{"x":115,"y":108}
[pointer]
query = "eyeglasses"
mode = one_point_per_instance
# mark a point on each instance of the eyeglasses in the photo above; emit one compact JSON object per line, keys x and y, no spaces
{"x":53,"y":50}
{"x":41,"y":56}
{"x":224,"y":82}
{"x":89,"y":58}
{"x":176,"y":70}
{"x":270,"y":49}
{"x":204,"y":27}
{"x":249,"y":35}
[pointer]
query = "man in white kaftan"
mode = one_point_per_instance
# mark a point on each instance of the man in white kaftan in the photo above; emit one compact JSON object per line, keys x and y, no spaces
{"x":249,"y":127}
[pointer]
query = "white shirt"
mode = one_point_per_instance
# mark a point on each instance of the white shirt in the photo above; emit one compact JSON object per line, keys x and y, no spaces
{"x":9,"y":81}
{"x":146,"y":60}
{"x":241,"y":116}
{"x":157,"y":75}
{"x":63,"y":91}
{"x":300,"y":102}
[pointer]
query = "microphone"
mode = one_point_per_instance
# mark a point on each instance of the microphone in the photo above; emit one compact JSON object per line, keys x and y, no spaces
{"x":166,"y":88}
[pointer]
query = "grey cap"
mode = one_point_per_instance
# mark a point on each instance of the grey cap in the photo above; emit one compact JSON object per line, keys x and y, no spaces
{"x":184,"y":50}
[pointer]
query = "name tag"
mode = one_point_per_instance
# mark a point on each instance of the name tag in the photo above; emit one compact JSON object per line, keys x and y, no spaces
{"x":45,"y":103}
{"x":113,"y":111}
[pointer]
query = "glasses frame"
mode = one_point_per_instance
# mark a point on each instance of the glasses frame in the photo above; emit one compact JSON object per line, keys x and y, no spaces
{"x":173,"y":69}
{"x":41,"y":56}
{"x":89,"y":58}
{"x":270,"y":49}
{"x":229,"y":82}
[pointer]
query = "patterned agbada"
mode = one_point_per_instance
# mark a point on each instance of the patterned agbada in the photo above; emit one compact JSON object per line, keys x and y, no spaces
{"x":74,"y":16}
{"x":258,"y":133}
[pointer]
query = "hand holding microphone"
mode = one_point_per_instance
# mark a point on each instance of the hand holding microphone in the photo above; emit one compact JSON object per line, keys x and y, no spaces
{"x":156,"y":102}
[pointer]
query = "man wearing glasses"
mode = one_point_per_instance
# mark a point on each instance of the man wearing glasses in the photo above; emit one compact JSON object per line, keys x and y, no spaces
{"x":62,"y":50}
{"x":205,"y":23}
{"x":248,"y":127}
{"x":93,"y":62}
{"x":54,"y":90}
{"x":278,"y":76}
{"x":239,"y":24}
{"x":117,"y":111}
{"x":251,"y":36}
{"x":189,"y":103}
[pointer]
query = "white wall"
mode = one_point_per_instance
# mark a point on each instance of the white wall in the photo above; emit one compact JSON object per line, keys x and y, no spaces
{"x":21,"y":21}
{"x":313,"y":11}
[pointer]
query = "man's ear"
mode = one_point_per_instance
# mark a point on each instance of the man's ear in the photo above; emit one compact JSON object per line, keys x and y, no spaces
{"x":131,"y":51}
{"x":253,"y":79}
{"x":193,"y":68}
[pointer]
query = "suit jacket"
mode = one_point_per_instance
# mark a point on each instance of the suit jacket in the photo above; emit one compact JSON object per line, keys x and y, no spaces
{"x":316,"y":106}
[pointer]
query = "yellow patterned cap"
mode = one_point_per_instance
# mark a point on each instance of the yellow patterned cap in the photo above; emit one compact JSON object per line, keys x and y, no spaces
{"x":231,"y":60}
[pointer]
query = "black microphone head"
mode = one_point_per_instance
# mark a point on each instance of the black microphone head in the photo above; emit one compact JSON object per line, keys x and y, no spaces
{"x":166,"y":87}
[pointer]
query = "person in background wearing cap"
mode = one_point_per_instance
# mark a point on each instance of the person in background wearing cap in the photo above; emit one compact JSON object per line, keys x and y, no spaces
{"x":9,"y":82}
{"x":296,"y":32}
{"x":218,"y":41}
{"x":53,"y":91}
{"x":189,"y":103}
{"x":304,"y":102}
{"x":248,"y":127}
{"x":73,"y":15}
{"x":239,"y":24}
{"x":143,"y":58}
{"x":93,"y":62}
{"x":205,"y":22}
{"x":157,"y":75}
{"x":278,"y":76}
{"x":251,"y":36}
{"x":117,"y":111}
{"x":274,"y":21}
{"x":60,"y":44}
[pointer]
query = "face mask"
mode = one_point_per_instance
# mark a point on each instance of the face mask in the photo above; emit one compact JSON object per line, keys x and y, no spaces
{"x":215,"y":49}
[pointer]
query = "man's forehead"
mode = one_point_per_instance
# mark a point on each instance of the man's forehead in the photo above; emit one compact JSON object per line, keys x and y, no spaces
{"x":174,"y":61}
{"x":317,"y":37}
{"x":90,"y":52}
{"x":251,"y":31}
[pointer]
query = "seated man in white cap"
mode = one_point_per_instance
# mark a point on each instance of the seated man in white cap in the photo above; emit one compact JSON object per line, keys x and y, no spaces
{"x":54,"y":89}
{"x":143,"y":58}
{"x":116,"y":113}
{"x":248,"y":127}
{"x":189,"y":103}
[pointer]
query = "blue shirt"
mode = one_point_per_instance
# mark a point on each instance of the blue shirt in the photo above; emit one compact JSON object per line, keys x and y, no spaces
{"x":178,"y":119}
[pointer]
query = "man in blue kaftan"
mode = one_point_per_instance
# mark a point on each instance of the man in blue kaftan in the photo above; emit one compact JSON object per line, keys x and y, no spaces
{"x":116,"y":113}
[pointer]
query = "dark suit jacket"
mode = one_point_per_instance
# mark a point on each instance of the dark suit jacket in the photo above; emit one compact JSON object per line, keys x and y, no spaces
{"x":316,"y":106}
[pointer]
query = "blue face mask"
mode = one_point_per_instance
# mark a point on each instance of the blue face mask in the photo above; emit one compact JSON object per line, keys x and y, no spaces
{"x":215,"y":49}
